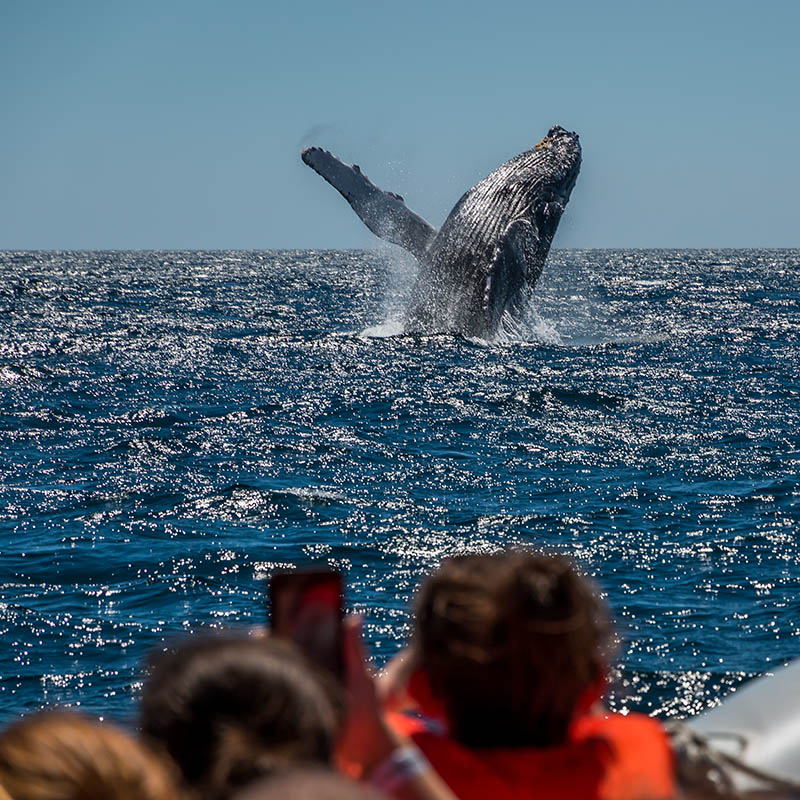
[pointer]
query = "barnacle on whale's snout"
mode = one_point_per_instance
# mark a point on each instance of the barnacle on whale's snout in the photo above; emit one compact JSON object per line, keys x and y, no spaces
{"x":544,"y":144}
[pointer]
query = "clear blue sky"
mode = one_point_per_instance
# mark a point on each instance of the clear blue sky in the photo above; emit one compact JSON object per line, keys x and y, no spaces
{"x":179,"y":124}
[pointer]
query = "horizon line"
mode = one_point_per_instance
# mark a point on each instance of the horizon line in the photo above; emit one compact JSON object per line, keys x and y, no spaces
{"x":654,"y":248}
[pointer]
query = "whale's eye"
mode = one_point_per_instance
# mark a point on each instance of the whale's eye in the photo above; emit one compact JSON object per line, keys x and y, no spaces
{"x":544,"y":144}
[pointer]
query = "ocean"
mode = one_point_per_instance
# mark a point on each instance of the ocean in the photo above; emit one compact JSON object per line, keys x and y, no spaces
{"x":176,"y":425}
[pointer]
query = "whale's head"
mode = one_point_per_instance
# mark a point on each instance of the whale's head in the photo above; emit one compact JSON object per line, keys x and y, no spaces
{"x":553,"y":167}
{"x":561,"y":152}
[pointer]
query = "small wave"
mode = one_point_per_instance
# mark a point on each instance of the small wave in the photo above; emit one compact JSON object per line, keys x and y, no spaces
{"x":239,"y":502}
{"x":314,"y":495}
{"x":544,"y":397}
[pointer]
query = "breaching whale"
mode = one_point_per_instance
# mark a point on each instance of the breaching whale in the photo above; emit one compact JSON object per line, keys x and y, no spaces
{"x":490,"y":251}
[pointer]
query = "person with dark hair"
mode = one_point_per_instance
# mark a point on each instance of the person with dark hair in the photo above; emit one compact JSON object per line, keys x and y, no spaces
{"x":62,"y":755}
{"x":507,"y":663}
{"x":230,"y":708}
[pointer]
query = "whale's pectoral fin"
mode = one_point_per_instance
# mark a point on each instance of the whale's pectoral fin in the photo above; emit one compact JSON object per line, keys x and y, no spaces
{"x":513,"y":271}
{"x":384,"y":213}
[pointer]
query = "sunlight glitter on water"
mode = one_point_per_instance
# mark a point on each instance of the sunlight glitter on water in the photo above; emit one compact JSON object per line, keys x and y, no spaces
{"x":177,"y":425}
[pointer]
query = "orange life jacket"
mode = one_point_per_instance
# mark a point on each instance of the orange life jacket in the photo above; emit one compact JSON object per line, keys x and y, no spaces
{"x":607,"y":757}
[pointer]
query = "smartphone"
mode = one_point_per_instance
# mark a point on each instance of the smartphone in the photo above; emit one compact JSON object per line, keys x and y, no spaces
{"x":305,"y":605}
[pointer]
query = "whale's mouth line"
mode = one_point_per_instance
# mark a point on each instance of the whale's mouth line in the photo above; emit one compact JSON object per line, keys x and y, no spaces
{"x":560,"y":196}
{"x":566,"y":190}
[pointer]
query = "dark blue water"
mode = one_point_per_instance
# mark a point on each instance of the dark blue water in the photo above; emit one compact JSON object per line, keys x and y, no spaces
{"x":175,"y":425}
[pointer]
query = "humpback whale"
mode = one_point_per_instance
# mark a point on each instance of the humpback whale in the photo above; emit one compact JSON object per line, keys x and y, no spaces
{"x":486,"y":258}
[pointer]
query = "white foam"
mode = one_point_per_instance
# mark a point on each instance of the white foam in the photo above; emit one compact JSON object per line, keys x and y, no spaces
{"x":383,"y":330}
{"x":531,"y":328}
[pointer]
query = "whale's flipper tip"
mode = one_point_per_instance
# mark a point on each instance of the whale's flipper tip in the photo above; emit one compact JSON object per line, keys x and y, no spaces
{"x":313,"y":154}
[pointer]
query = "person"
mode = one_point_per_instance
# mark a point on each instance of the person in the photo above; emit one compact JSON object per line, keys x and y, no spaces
{"x":230,"y":708}
{"x":303,"y":784}
{"x":63,"y":755}
{"x":507,"y":663}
